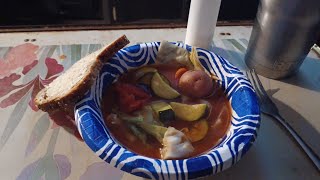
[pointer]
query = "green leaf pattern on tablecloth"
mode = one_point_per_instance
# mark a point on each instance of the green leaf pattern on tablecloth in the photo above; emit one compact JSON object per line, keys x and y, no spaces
{"x":37,"y":133}
{"x":244,"y":41}
{"x":236,"y":44}
{"x":236,"y":58}
{"x":75,"y":53}
{"x":14,"y":119}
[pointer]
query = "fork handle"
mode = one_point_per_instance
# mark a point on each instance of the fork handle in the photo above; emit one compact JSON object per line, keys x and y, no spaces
{"x":311,"y":154}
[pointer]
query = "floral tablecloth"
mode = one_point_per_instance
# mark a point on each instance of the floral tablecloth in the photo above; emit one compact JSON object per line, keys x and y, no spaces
{"x":33,"y":144}
{"x":36,"y":145}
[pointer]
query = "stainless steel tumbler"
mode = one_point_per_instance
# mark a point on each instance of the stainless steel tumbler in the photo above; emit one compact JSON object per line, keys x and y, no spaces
{"x":282,"y":35}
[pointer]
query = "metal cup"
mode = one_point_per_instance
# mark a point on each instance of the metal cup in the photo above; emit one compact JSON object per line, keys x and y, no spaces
{"x":282,"y":35}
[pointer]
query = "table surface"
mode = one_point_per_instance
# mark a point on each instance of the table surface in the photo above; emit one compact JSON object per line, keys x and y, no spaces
{"x":33,"y":147}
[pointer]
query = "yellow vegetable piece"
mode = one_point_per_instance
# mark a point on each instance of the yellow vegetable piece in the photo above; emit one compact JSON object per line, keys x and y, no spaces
{"x":198,"y":131}
{"x":163,"y":111}
{"x":143,"y":71}
{"x":195,"y":59}
{"x":188,"y":112}
{"x":146,"y":79}
{"x":154,"y":130}
{"x":162,"y":89}
{"x":165,"y":79}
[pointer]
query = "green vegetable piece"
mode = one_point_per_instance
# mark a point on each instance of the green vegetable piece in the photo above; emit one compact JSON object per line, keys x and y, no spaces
{"x":144,"y":71}
{"x":198,"y":131}
{"x":166,"y":115}
{"x":129,"y":118}
{"x":188,"y":112}
{"x":165,"y":79}
{"x":137,"y":132}
{"x":154,"y":130}
{"x":163,"y":111}
{"x":148,"y":116}
{"x":162,"y":89}
{"x":146,"y":79}
{"x":145,"y":122}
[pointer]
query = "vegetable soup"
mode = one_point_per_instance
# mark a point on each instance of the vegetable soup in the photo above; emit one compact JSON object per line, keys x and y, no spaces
{"x":170,"y":110}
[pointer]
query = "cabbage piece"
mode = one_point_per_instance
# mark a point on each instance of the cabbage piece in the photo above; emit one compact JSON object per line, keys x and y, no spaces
{"x":175,"y":145}
{"x":169,"y":53}
{"x":146,"y":121}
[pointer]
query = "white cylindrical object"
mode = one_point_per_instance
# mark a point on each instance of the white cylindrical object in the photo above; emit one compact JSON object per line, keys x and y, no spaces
{"x":203,"y":15}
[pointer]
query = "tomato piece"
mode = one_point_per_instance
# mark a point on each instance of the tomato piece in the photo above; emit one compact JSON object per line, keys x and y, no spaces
{"x":130,"y":97}
{"x":135,"y":105}
{"x":138,"y":92}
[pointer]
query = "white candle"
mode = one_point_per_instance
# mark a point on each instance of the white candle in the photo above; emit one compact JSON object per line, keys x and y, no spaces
{"x":203,"y":15}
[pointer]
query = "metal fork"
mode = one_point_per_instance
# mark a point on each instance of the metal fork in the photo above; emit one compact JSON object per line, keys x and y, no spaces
{"x":269,"y":108}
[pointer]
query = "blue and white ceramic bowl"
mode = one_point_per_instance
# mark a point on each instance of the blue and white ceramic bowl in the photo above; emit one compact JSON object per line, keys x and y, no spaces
{"x":243,"y":131}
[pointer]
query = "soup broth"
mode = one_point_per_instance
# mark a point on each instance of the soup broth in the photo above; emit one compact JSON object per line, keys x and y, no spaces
{"x":217,"y":116}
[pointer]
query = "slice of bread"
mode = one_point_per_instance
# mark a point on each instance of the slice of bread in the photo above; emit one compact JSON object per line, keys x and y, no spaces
{"x":66,"y":90}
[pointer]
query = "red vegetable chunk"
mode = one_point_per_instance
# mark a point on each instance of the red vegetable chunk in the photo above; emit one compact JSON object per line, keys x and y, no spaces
{"x":130,"y":97}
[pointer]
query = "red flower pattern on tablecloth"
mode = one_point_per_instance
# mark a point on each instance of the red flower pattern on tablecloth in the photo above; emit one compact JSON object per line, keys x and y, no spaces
{"x":19,"y":56}
{"x":17,"y":62}
{"x":36,"y":84}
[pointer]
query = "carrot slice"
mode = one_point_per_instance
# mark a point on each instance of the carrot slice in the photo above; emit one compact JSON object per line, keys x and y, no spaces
{"x":179,"y":72}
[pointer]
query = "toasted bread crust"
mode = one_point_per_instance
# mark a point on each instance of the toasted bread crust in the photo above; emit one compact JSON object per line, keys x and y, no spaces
{"x":78,"y":91}
{"x":114,"y":47}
